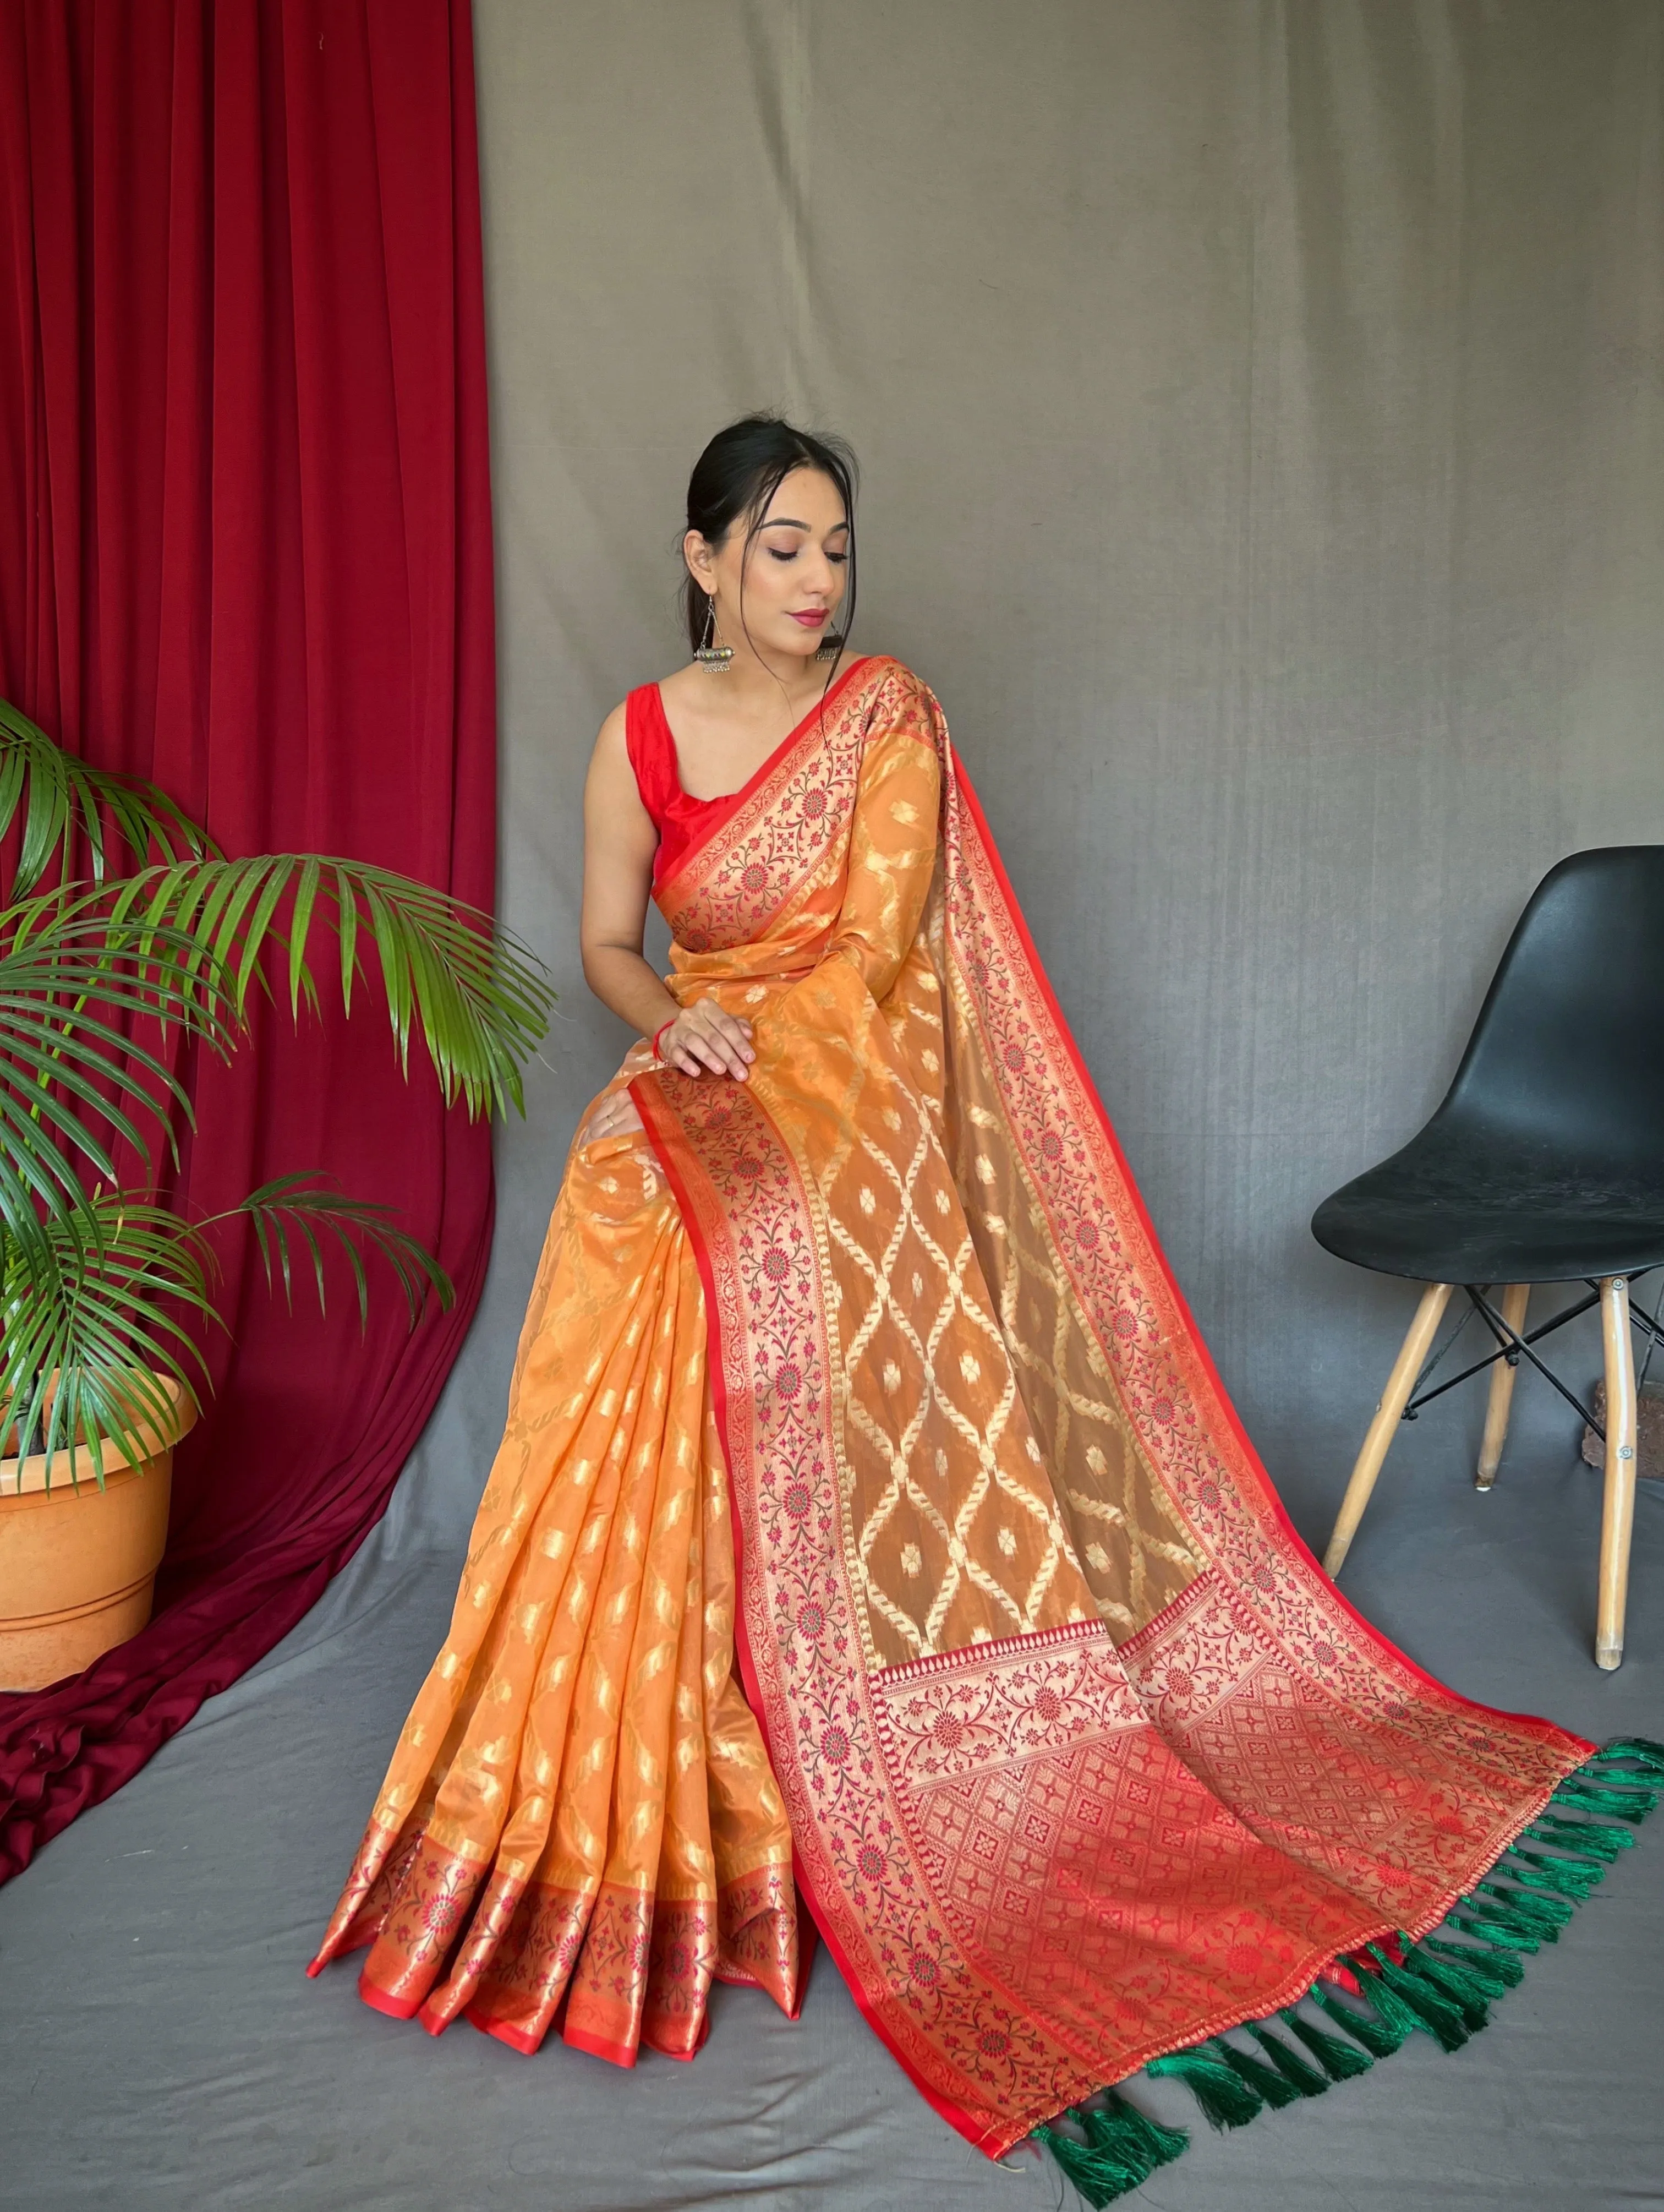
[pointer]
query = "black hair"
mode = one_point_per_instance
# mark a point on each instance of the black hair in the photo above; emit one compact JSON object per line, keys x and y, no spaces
{"x":735,"y":478}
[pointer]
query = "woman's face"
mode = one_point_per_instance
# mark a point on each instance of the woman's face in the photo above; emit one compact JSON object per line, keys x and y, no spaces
{"x":793,"y":570}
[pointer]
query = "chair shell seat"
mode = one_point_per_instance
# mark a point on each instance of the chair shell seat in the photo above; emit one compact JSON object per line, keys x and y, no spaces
{"x":1470,"y":1204}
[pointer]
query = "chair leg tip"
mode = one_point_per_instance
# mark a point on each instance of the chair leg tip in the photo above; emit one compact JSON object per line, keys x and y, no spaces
{"x":1608,"y":1656}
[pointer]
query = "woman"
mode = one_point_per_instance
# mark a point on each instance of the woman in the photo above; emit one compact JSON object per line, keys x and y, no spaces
{"x":869,"y":1526}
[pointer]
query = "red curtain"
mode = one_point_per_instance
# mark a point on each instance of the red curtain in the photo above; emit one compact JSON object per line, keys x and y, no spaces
{"x":245,"y":549}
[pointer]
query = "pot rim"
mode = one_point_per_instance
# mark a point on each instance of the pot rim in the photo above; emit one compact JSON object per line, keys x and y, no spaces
{"x":69,"y":1469}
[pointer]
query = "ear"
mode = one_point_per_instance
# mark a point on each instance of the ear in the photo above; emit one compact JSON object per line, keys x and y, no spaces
{"x":701,"y":557}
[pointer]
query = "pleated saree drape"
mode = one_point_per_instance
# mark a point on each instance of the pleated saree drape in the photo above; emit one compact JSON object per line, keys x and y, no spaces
{"x":581,"y":1782}
{"x":863,"y":1384}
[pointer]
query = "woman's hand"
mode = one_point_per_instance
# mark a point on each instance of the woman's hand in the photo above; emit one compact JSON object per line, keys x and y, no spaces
{"x":615,"y":1116}
{"x":703,"y":1040}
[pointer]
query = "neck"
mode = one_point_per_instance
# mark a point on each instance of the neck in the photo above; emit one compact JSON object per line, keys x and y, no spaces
{"x":752,"y":677}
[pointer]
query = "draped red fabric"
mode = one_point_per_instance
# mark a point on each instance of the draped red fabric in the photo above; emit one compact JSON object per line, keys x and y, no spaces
{"x":245,"y":549}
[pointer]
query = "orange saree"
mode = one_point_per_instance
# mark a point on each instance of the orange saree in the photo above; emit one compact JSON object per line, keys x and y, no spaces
{"x":870,"y":1528}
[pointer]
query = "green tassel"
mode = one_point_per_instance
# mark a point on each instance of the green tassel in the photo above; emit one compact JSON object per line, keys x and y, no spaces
{"x":1591,"y":1839}
{"x":1294,"y":2070}
{"x":1543,"y":1915}
{"x":1451,"y":1980}
{"x":1579,"y":1794}
{"x":1226,"y":2100}
{"x":1378,"y":2038}
{"x":1527,"y":1886}
{"x":1098,"y":2176}
{"x":1341,"y":2061}
{"x":1629,"y":1806}
{"x":1573,"y":1878}
{"x":1120,"y":2129}
{"x":1641,"y":1748}
{"x":1441,"y":2019}
{"x":1621,"y":1789}
{"x":1635,"y":1803}
{"x":1494,"y":1973}
{"x":1495,"y":1928}
{"x":1123,"y":2147}
{"x":1270,"y":2085}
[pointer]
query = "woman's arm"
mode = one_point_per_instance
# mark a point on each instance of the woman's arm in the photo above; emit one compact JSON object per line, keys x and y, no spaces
{"x":619,"y":844}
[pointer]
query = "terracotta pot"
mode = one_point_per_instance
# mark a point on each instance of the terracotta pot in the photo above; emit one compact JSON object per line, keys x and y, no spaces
{"x":77,"y":1560}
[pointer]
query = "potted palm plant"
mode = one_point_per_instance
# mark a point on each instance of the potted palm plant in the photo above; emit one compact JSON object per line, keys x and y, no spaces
{"x":128,"y":943}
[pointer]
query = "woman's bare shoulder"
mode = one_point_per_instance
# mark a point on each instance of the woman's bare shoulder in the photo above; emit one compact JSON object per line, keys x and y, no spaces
{"x":610,"y":740}
{"x":612,"y":790}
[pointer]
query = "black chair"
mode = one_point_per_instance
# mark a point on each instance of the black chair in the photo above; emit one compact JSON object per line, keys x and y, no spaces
{"x":1545,"y":1163}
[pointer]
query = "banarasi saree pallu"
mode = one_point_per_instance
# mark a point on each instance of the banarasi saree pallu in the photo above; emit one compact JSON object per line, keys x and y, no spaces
{"x":872,"y":1529}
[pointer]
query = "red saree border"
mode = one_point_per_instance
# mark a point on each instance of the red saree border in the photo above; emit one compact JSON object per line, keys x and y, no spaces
{"x":730,"y":802}
{"x":748,"y":867}
{"x":665,"y":1135}
{"x":1194,"y":1344}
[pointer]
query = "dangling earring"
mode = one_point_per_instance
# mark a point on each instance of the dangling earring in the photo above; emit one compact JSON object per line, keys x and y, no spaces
{"x":709,"y":653}
{"x":834,"y":642}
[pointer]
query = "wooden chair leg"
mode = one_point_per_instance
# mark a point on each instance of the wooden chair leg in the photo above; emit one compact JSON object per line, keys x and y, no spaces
{"x":1515,"y":1299}
{"x":1618,"y":1517}
{"x":1400,"y":1383}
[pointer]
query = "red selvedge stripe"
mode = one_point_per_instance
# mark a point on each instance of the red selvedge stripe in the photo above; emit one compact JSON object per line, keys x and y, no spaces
{"x":676,"y":889}
{"x":680,"y":1164}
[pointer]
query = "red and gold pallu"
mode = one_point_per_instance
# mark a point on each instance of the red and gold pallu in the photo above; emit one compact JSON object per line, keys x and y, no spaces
{"x":863,"y":1384}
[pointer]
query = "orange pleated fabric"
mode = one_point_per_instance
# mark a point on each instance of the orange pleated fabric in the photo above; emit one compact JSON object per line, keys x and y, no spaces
{"x":579,"y":1813}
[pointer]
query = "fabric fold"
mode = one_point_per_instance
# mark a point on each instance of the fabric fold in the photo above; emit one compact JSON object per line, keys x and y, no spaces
{"x":579,"y":1816}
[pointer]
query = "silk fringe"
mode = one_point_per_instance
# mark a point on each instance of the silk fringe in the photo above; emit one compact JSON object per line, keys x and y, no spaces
{"x":1386,"y":1992}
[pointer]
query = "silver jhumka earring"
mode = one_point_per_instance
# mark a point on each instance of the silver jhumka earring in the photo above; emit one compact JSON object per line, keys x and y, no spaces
{"x":709,"y":653}
{"x":830,"y":646}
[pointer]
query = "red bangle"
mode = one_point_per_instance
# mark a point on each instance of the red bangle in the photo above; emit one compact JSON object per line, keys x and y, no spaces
{"x":659,"y":1032}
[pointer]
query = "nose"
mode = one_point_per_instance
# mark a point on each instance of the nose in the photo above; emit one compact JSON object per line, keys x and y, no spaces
{"x":820,"y":580}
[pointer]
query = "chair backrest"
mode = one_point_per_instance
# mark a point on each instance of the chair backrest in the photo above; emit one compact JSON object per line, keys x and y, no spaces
{"x":1568,"y":1047}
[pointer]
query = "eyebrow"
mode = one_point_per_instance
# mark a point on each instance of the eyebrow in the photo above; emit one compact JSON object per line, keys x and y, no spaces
{"x":791,"y":522}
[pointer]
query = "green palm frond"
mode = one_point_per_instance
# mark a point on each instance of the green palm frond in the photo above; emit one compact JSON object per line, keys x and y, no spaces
{"x":479,"y":999}
{"x":84,"y":1341}
{"x":61,"y":797}
{"x":69,"y":974}
{"x":86,"y":1338}
{"x":301,"y":1205}
{"x":107,"y":1292}
{"x":72,"y":1078}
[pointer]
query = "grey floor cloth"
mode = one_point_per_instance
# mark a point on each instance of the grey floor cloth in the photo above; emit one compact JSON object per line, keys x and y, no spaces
{"x":164,"y":2049}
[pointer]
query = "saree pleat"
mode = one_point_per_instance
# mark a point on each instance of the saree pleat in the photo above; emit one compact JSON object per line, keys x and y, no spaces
{"x":543,"y":1837}
{"x":870,"y":1525}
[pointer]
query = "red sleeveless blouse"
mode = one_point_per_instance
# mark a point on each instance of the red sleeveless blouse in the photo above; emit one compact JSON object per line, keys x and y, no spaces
{"x":684,"y":822}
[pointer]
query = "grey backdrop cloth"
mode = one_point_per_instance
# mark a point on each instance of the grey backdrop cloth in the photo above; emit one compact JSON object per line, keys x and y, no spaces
{"x":1262,"y":413}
